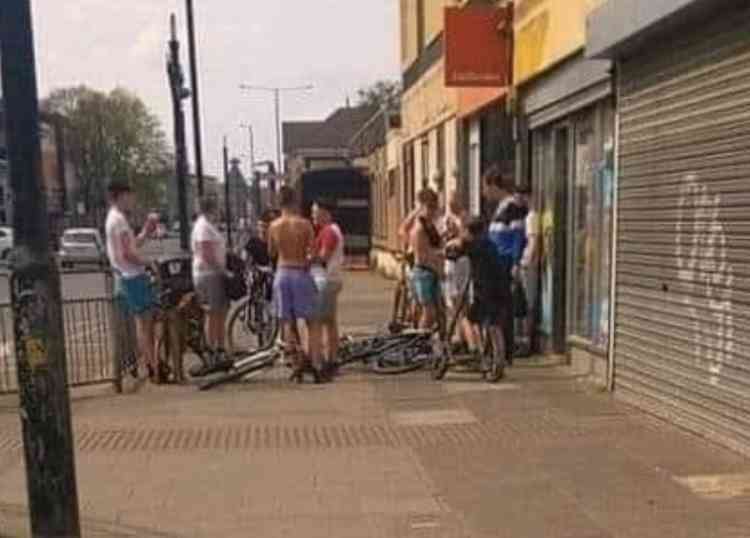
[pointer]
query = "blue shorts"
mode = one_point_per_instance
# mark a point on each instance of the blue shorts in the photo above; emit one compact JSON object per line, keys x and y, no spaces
{"x":136,"y":295}
{"x":426,"y":286}
{"x":295,"y":294}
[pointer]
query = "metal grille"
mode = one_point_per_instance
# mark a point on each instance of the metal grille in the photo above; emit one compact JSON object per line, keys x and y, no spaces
{"x":683,"y":285}
{"x":88,"y":325}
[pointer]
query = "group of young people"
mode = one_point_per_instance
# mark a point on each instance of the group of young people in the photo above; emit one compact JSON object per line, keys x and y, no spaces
{"x":454,"y":254}
{"x":308,"y":257}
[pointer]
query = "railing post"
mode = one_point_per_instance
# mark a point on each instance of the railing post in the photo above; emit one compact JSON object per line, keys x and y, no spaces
{"x":115,"y":329}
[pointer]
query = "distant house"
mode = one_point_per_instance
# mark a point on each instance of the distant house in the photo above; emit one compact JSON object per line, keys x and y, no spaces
{"x":312,"y":145}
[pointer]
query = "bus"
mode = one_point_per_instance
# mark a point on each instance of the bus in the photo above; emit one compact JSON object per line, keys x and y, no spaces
{"x":348,"y":191}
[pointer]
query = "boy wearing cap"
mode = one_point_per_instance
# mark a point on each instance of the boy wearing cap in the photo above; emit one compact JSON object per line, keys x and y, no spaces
{"x":132,"y":283}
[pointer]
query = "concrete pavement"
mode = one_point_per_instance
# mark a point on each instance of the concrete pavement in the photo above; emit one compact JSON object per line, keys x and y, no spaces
{"x":538,"y":455}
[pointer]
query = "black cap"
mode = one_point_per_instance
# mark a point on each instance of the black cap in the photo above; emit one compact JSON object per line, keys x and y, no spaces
{"x":118,"y":186}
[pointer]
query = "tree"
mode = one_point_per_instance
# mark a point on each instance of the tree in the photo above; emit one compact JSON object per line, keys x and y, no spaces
{"x":382,"y":93}
{"x":112,"y":135}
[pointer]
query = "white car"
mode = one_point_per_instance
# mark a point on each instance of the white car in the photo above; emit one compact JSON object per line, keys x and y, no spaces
{"x":82,"y":246}
{"x":6,"y":242}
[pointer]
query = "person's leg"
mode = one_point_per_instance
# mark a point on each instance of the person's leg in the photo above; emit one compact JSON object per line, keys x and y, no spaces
{"x":498,"y":342}
{"x":146,"y":341}
{"x":221,"y":333}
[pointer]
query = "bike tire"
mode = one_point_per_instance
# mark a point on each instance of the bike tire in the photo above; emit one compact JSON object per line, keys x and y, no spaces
{"x":384,"y":365}
{"x":236,"y":321}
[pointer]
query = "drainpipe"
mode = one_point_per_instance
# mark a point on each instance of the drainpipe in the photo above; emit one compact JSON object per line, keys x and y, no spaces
{"x":615,"y":221}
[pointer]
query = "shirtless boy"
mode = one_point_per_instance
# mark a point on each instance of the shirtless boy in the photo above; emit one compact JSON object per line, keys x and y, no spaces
{"x":425,"y":243}
{"x":291,"y":240}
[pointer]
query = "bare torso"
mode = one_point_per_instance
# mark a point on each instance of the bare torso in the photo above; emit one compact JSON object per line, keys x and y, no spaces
{"x":291,"y":238}
{"x":425,"y":254}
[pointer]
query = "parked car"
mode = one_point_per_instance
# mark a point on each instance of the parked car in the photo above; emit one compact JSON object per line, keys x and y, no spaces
{"x":6,"y":243}
{"x":82,"y":246}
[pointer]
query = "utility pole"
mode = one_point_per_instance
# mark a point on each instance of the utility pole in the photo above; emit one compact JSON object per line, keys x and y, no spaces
{"x":255,"y":187}
{"x":179,"y":94}
{"x":249,"y":128}
{"x":227,"y":204}
{"x":197,"y":135}
{"x":35,"y":294}
{"x":277,"y":111}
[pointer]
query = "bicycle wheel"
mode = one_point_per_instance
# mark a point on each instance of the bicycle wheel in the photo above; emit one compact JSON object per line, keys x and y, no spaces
{"x":243,"y":368}
{"x":243,"y":331}
{"x":402,"y":358}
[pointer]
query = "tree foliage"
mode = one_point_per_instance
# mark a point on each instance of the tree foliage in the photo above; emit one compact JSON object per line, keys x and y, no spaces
{"x":112,"y":135}
{"x":382,"y":93}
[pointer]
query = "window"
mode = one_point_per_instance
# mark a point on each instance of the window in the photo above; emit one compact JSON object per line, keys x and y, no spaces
{"x":409,"y":173}
{"x":592,"y":224}
{"x":425,"y":162}
{"x":441,"y":156}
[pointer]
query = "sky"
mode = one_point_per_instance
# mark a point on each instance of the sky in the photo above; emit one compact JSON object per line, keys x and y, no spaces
{"x":337,"y":46}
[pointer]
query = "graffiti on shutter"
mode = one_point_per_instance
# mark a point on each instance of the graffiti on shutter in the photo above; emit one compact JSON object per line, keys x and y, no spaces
{"x":703,"y":265}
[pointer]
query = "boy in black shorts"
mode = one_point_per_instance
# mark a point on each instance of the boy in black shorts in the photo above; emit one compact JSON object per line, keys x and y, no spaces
{"x":491,"y":279}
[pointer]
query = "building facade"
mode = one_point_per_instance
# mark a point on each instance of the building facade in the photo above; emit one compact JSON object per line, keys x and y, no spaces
{"x":377,"y":147}
{"x":681,"y":249}
{"x":318,"y":145}
{"x":565,"y":152}
{"x":429,"y":154}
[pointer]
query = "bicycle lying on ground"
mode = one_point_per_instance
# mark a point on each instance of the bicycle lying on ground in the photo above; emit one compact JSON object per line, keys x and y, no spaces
{"x":389,"y":354}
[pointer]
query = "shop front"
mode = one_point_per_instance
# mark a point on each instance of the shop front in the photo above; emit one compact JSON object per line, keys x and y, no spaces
{"x":681,"y":350}
{"x":569,"y":116}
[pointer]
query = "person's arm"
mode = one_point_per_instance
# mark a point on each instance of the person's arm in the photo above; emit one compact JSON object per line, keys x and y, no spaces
{"x":407,"y":226}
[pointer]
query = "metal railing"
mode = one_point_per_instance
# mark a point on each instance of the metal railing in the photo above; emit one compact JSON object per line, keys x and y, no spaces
{"x":94,"y":336}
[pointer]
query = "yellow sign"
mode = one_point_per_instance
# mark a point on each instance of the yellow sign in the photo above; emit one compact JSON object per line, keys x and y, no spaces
{"x":36,"y":353}
{"x":546,"y":32}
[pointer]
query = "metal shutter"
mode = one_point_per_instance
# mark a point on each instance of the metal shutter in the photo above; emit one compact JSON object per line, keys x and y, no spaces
{"x":682,"y":348}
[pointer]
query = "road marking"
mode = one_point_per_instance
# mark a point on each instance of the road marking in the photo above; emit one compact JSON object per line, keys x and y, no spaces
{"x":435,"y":417}
{"x":717,"y":486}
{"x":478,"y":386}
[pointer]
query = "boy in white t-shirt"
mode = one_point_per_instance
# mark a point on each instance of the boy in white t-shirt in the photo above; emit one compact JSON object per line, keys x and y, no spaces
{"x":209,"y":274}
{"x":133,"y":286}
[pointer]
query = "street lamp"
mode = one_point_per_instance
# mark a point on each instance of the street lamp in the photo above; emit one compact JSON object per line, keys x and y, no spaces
{"x":277,"y":98}
{"x":252,"y":145}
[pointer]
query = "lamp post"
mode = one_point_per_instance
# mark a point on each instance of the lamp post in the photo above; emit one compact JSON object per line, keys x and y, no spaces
{"x":179,"y":94}
{"x":197,"y":136}
{"x":277,"y":107}
{"x":35,"y":294}
{"x":252,"y":146}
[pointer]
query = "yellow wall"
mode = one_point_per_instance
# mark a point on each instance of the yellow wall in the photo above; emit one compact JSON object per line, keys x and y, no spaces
{"x":408,"y":20}
{"x":547,"y":31}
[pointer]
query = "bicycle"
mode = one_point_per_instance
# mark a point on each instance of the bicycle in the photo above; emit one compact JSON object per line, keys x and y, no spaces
{"x":404,"y":313}
{"x":180,"y":317}
{"x":389,"y":354}
{"x":254,"y":318}
{"x":489,"y":362}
